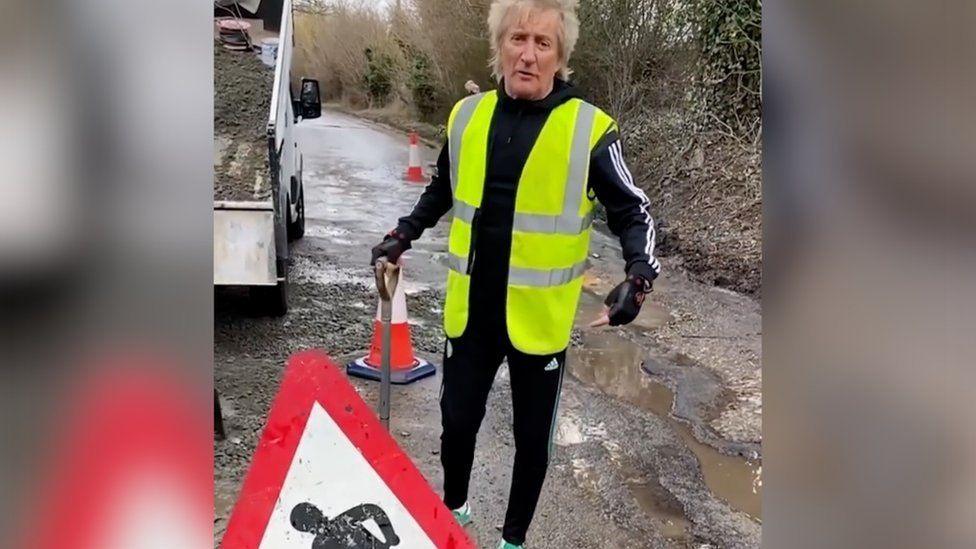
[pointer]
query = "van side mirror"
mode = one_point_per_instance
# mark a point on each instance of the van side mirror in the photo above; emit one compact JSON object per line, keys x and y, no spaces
{"x":310,"y":100}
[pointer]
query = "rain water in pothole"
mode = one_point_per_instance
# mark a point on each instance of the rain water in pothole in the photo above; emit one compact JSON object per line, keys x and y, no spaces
{"x":657,"y":502}
{"x":612,"y":364}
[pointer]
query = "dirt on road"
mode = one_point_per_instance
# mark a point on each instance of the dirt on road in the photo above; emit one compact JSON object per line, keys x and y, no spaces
{"x":659,"y":431}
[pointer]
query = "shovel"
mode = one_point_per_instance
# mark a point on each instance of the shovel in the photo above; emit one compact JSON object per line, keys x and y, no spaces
{"x":387,"y":276}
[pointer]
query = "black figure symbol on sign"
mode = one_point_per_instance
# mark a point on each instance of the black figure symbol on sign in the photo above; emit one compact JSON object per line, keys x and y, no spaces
{"x":345,"y":531}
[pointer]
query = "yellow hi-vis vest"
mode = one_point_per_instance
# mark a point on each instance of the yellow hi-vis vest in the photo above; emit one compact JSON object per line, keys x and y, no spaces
{"x":551,"y":229}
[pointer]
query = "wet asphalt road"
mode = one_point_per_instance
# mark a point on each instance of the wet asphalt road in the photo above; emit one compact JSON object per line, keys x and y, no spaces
{"x":623,"y":474}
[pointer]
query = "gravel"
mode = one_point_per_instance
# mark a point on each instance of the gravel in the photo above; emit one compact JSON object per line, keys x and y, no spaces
{"x":242,"y":97}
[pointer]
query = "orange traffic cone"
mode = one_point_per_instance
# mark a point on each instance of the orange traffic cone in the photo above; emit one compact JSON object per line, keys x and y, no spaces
{"x":414,"y":172}
{"x":404,"y":366}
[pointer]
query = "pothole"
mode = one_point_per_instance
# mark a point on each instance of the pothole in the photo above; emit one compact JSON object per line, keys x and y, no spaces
{"x":612,"y":364}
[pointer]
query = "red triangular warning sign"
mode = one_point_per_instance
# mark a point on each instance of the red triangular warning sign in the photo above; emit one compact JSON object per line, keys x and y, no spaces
{"x":326,"y":474}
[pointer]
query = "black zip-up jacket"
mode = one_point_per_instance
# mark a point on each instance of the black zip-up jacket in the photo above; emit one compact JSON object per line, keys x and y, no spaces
{"x":514,"y":128}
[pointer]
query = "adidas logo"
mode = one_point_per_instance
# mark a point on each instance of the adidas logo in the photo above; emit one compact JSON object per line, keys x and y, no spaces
{"x":553,"y":364}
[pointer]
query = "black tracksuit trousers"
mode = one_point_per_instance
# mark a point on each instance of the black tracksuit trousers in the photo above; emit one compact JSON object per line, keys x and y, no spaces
{"x":470,"y":365}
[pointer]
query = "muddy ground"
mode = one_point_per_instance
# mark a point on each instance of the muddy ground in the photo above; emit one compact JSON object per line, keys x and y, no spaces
{"x":659,"y":432}
{"x":242,"y":99}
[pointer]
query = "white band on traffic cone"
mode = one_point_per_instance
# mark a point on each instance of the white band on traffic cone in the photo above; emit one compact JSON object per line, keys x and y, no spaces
{"x":414,"y":156}
{"x":399,"y":315}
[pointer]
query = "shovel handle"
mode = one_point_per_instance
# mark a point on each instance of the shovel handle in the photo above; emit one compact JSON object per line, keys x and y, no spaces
{"x":387,"y":277}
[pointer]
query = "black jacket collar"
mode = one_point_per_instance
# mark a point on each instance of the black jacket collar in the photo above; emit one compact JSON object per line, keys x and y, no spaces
{"x":562,"y":91}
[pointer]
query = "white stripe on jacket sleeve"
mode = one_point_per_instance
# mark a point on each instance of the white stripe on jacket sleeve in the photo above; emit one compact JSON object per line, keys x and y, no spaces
{"x":616,"y":155}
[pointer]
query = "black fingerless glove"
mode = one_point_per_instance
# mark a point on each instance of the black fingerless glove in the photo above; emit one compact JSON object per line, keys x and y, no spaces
{"x":626,"y":298}
{"x":392,"y":247}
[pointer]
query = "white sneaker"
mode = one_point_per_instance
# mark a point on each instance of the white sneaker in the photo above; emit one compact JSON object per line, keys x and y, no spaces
{"x":462,"y":514}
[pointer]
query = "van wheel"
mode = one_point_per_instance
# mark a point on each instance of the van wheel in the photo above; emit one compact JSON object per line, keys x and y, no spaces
{"x":296,"y":228}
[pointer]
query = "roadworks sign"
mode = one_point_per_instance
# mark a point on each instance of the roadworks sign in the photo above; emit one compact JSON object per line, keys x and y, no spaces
{"x":326,"y":475}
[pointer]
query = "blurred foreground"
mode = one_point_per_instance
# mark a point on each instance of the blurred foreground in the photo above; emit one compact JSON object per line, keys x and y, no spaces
{"x":105,"y":274}
{"x":870,"y":165}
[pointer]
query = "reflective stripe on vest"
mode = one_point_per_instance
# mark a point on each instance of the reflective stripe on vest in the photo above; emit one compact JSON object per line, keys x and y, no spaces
{"x":522,"y":276}
{"x":464,"y":211}
{"x":461,"y":119}
{"x":535,"y":223}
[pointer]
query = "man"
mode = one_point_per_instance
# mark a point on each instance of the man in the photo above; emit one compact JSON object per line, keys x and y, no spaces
{"x":521,"y":169}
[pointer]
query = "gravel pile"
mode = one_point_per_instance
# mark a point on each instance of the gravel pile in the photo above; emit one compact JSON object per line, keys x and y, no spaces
{"x":242,"y":98}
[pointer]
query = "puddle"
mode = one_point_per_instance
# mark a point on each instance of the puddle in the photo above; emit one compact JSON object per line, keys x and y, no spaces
{"x":734,"y":479}
{"x":613,"y":365}
{"x":657,"y":502}
{"x":652,"y":498}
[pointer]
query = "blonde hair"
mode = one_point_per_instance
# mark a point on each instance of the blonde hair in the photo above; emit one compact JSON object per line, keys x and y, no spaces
{"x":499,"y":20}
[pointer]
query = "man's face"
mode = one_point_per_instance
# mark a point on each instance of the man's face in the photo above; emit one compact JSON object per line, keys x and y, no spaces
{"x":530,"y":55}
